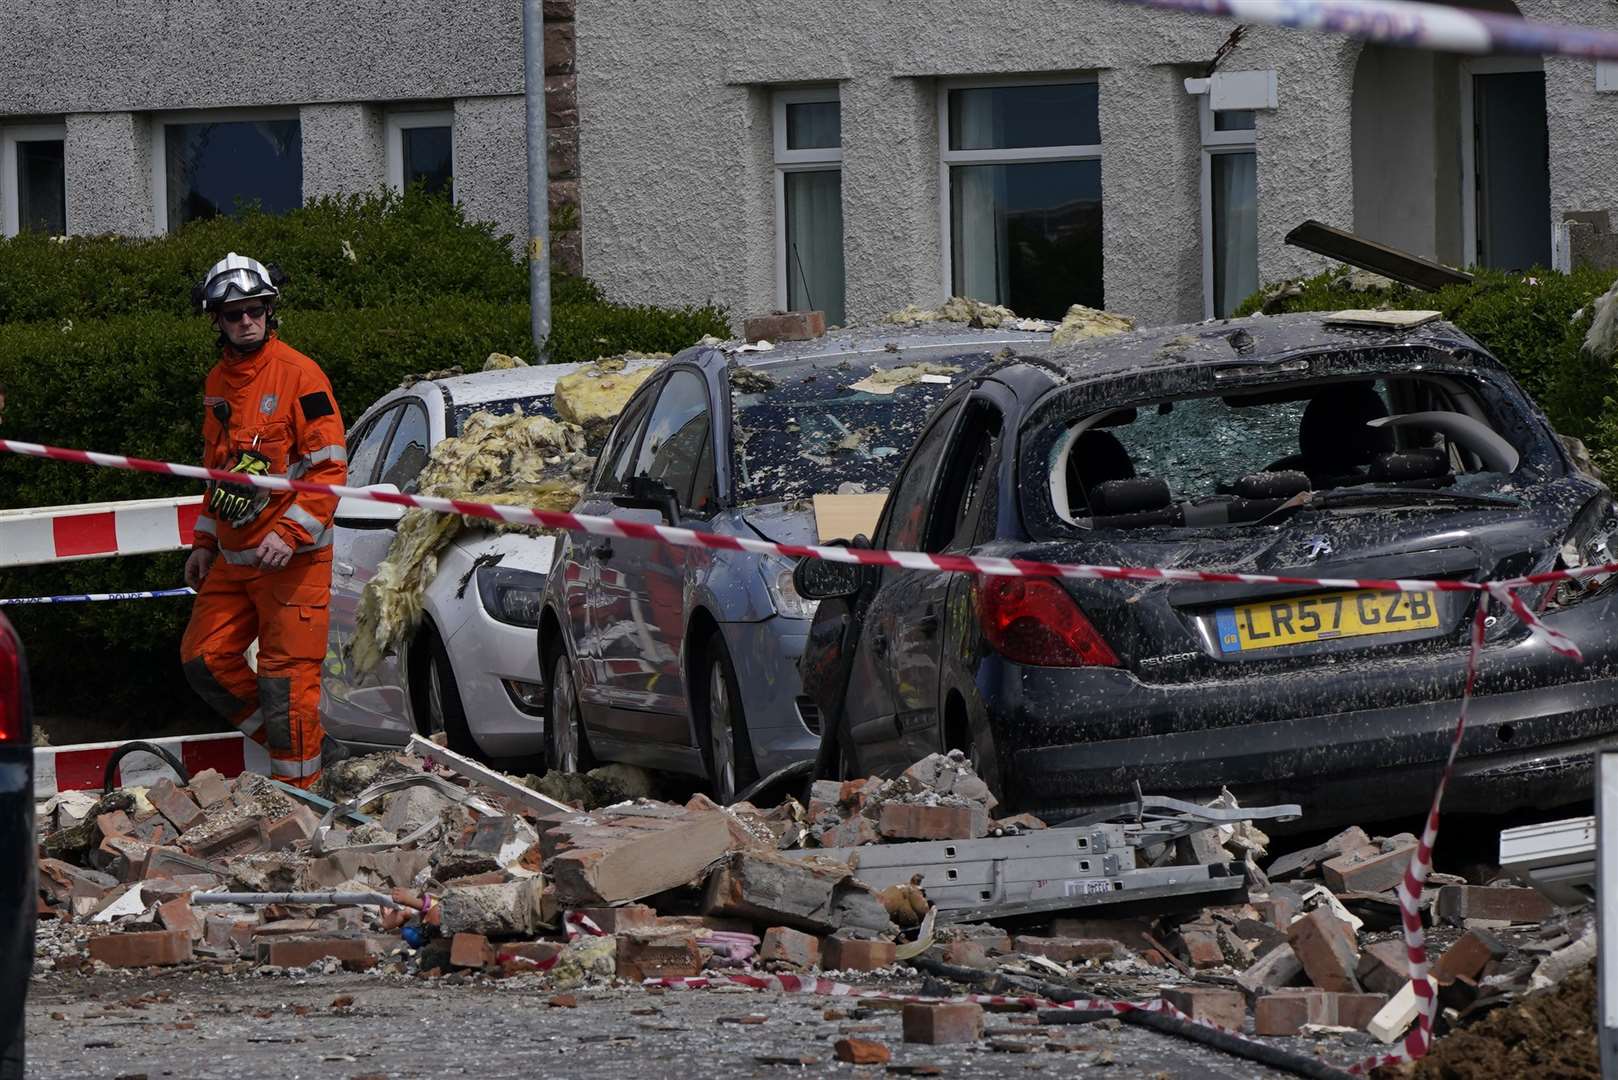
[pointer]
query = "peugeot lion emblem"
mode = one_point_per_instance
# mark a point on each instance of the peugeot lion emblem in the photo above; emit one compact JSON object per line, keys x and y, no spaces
{"x":1318,"y":546}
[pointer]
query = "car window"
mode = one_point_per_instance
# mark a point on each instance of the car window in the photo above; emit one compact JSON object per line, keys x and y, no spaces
{"x":407,"y":449}
{"x":676,"y":435}
{"x":966,"y":480}
{"x":619,"y":452}
{"x":365,"y":446}
{"x":908,"y":505}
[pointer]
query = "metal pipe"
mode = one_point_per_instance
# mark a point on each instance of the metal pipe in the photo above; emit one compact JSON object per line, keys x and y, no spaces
{"x":257,"y":898}
{"x":539,"y":227}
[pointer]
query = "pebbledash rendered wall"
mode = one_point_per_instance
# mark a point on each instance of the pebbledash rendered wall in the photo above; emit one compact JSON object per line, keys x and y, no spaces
{"x":676,"y":155}
{"x":106,"y":71}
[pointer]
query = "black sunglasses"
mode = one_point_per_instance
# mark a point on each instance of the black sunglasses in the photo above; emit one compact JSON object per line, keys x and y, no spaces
{"x":255,"y":312}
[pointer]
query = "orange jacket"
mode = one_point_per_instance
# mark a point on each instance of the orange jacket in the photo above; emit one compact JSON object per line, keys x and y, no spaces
{"x":278,"y":402}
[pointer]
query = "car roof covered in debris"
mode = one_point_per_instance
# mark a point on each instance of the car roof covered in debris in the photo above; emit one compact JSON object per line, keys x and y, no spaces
{"x":1257,"y":339}
{"x":888,"y":337}
{"x":504,"y":384}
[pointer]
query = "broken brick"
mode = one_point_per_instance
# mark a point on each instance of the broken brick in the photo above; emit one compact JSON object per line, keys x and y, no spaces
{"x":1354,"y":872}
{"x":950,"y":1022}
{"x":149,"y":949}
{"x":916,"y":821}
{"x":862,"y":1052}
{"x":654,"y":955}
{"x":1298,"y":862}
{"x":243,"y":838}
{"x":852,"y":832}
{"x":970,"y":954}
{"x":297,"y":826}
{"x":208,"y":788}
{"x":1384,"y":967}
{"x":174,"y":804}
{"x":786,"y":326}
{"x":1327,"y":955}
{"x":1286,"y":1011}
{"x":785,"y":945}
{"x":1457,"y":903}
{"x":470,"y":951}
{"x":618,"y":920}
{"x":1201,"y":944}
{"x":525,"y":955}
{"x":1469,"y":955}
{"x":114,"y":823}
{"x":1225,"y":1008}
{"x":1356,"y":1010}
{"x":1068,"y":950}
{"x":301,"y":952}
{"x":177,"y":914}
{"x":855,"y":954}
{"x":123,"y":857}
{"x":813,"y":894}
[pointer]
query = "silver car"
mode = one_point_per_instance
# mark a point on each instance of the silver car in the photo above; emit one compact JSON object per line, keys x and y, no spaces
{"x":470,"y":671}
{"x":687,"y":660}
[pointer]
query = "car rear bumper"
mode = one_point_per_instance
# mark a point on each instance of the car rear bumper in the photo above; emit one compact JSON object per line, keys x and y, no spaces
{"x":1350,"y":743}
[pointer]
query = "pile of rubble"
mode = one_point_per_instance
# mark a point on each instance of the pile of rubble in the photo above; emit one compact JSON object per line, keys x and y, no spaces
{"x":432,"y":864}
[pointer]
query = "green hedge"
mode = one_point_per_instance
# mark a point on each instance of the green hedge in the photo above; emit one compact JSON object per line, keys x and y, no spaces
{"x":1534,"y":324}
{"x":99,"y":349}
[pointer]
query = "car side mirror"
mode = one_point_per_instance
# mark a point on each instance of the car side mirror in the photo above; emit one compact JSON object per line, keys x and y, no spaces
{"x":355,"y":513}
{"x":648,"y":493}
{"x":821,"y":579}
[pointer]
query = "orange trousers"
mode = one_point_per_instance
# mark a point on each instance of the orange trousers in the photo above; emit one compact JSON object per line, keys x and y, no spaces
{"x":287,"y":611}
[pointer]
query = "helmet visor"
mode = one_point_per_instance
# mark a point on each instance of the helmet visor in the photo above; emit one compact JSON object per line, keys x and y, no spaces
{"x":239,"y":284}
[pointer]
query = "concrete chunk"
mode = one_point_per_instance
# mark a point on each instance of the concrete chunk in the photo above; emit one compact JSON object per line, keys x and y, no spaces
{"x":515,"y":909}
{"x":811,"y":894}
{"x":1350,"y":839}
{"x":1355,"y":871}
{"x":1275,"y":969}
{"x":610,"y":857}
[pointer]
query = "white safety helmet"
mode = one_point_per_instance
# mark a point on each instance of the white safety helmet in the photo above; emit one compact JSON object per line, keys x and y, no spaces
{"x":236,"y":277}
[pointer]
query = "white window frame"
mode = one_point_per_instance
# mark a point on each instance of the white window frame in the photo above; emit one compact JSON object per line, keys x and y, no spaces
{"x":1020,"y":156}
{"x":1485,"y":65}
{"x":1215,"y":143}
{"x":817,"y":159}
{"x":10,"y":204}
{"x":159,"y":148}
{"x":394,"y":124}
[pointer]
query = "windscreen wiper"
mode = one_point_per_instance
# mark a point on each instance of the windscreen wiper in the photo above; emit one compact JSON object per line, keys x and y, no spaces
{"x":1351,"y":495}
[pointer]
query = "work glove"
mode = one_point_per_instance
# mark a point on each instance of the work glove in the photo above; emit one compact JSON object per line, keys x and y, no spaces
{"x":239,"y":505}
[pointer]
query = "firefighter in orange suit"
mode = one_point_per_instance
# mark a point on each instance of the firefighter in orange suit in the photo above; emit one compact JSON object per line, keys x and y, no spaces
{"x":261,"y":560}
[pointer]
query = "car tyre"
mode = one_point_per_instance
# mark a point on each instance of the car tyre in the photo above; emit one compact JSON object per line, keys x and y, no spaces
{"x":567,"y":747}
{"x":443,"y":709}
{"x":723,"y":725}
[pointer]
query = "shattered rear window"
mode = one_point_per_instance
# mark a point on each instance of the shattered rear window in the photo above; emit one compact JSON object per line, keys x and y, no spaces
{"x":531,"y":405}
{"x":810,"y":427}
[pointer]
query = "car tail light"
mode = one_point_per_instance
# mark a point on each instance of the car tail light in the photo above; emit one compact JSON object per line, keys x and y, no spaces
{"x":1034,"y":621}
{"x":11,"y":718}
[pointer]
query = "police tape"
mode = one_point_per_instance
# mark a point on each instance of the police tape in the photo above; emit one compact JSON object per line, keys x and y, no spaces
{"x":87,"y":598}
{"x":1411,"y":24}
{"x":1409,"y":892}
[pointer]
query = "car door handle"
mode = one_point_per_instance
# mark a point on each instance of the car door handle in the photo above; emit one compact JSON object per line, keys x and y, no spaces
{"x":342,"y":569}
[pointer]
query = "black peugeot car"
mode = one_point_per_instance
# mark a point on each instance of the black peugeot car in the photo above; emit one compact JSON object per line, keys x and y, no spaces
{"x":1288,"y":446}
{"x":17,"y":898}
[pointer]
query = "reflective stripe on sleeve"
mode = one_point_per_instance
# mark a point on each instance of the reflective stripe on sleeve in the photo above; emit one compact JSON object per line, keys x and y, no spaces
{"x":297,"y":770}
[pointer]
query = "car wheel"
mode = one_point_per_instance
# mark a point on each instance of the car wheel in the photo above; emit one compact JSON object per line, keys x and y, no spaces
{"x":567,"y":749}
{"x":724,"y":726}
{"x":443,"y":710}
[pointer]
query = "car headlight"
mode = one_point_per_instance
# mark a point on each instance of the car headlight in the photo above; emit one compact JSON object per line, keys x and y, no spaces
{"x":778,"y":577}
{"x":1591,"y":541}
{"x":511,"y":596}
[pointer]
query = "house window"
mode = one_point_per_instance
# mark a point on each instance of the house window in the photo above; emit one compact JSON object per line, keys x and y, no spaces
{"x":33,"y":180}
{"x":421,"y":150}
{"x":1229,"y":208}
{"x":207,"y":164}
{"x":1022,"y":190}
{"x":809,"y":202}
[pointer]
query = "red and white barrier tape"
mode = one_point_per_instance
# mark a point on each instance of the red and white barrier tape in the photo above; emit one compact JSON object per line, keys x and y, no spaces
{"x":49,"y":534}
{"x":83,"y":766}
{"x":1420,"y":1037}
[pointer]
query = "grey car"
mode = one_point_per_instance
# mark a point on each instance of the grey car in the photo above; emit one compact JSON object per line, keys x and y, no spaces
{"x":687,"y":660}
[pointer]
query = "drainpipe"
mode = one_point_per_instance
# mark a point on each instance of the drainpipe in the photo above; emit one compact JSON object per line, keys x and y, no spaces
{"x":538,"y":251}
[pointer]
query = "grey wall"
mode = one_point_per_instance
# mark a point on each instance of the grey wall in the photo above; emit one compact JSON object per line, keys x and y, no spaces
{"x":675,"y":139}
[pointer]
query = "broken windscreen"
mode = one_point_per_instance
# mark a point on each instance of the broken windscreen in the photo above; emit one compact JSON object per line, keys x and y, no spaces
{"x":812,"y":427}
{"x":529,"y":405}
{"x":1238,"y":458}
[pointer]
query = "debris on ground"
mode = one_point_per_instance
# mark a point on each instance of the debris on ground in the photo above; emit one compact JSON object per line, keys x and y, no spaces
{"x":426,"y":864}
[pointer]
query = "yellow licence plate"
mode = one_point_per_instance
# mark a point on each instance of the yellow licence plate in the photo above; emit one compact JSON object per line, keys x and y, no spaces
{"x":1303,"y":619}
